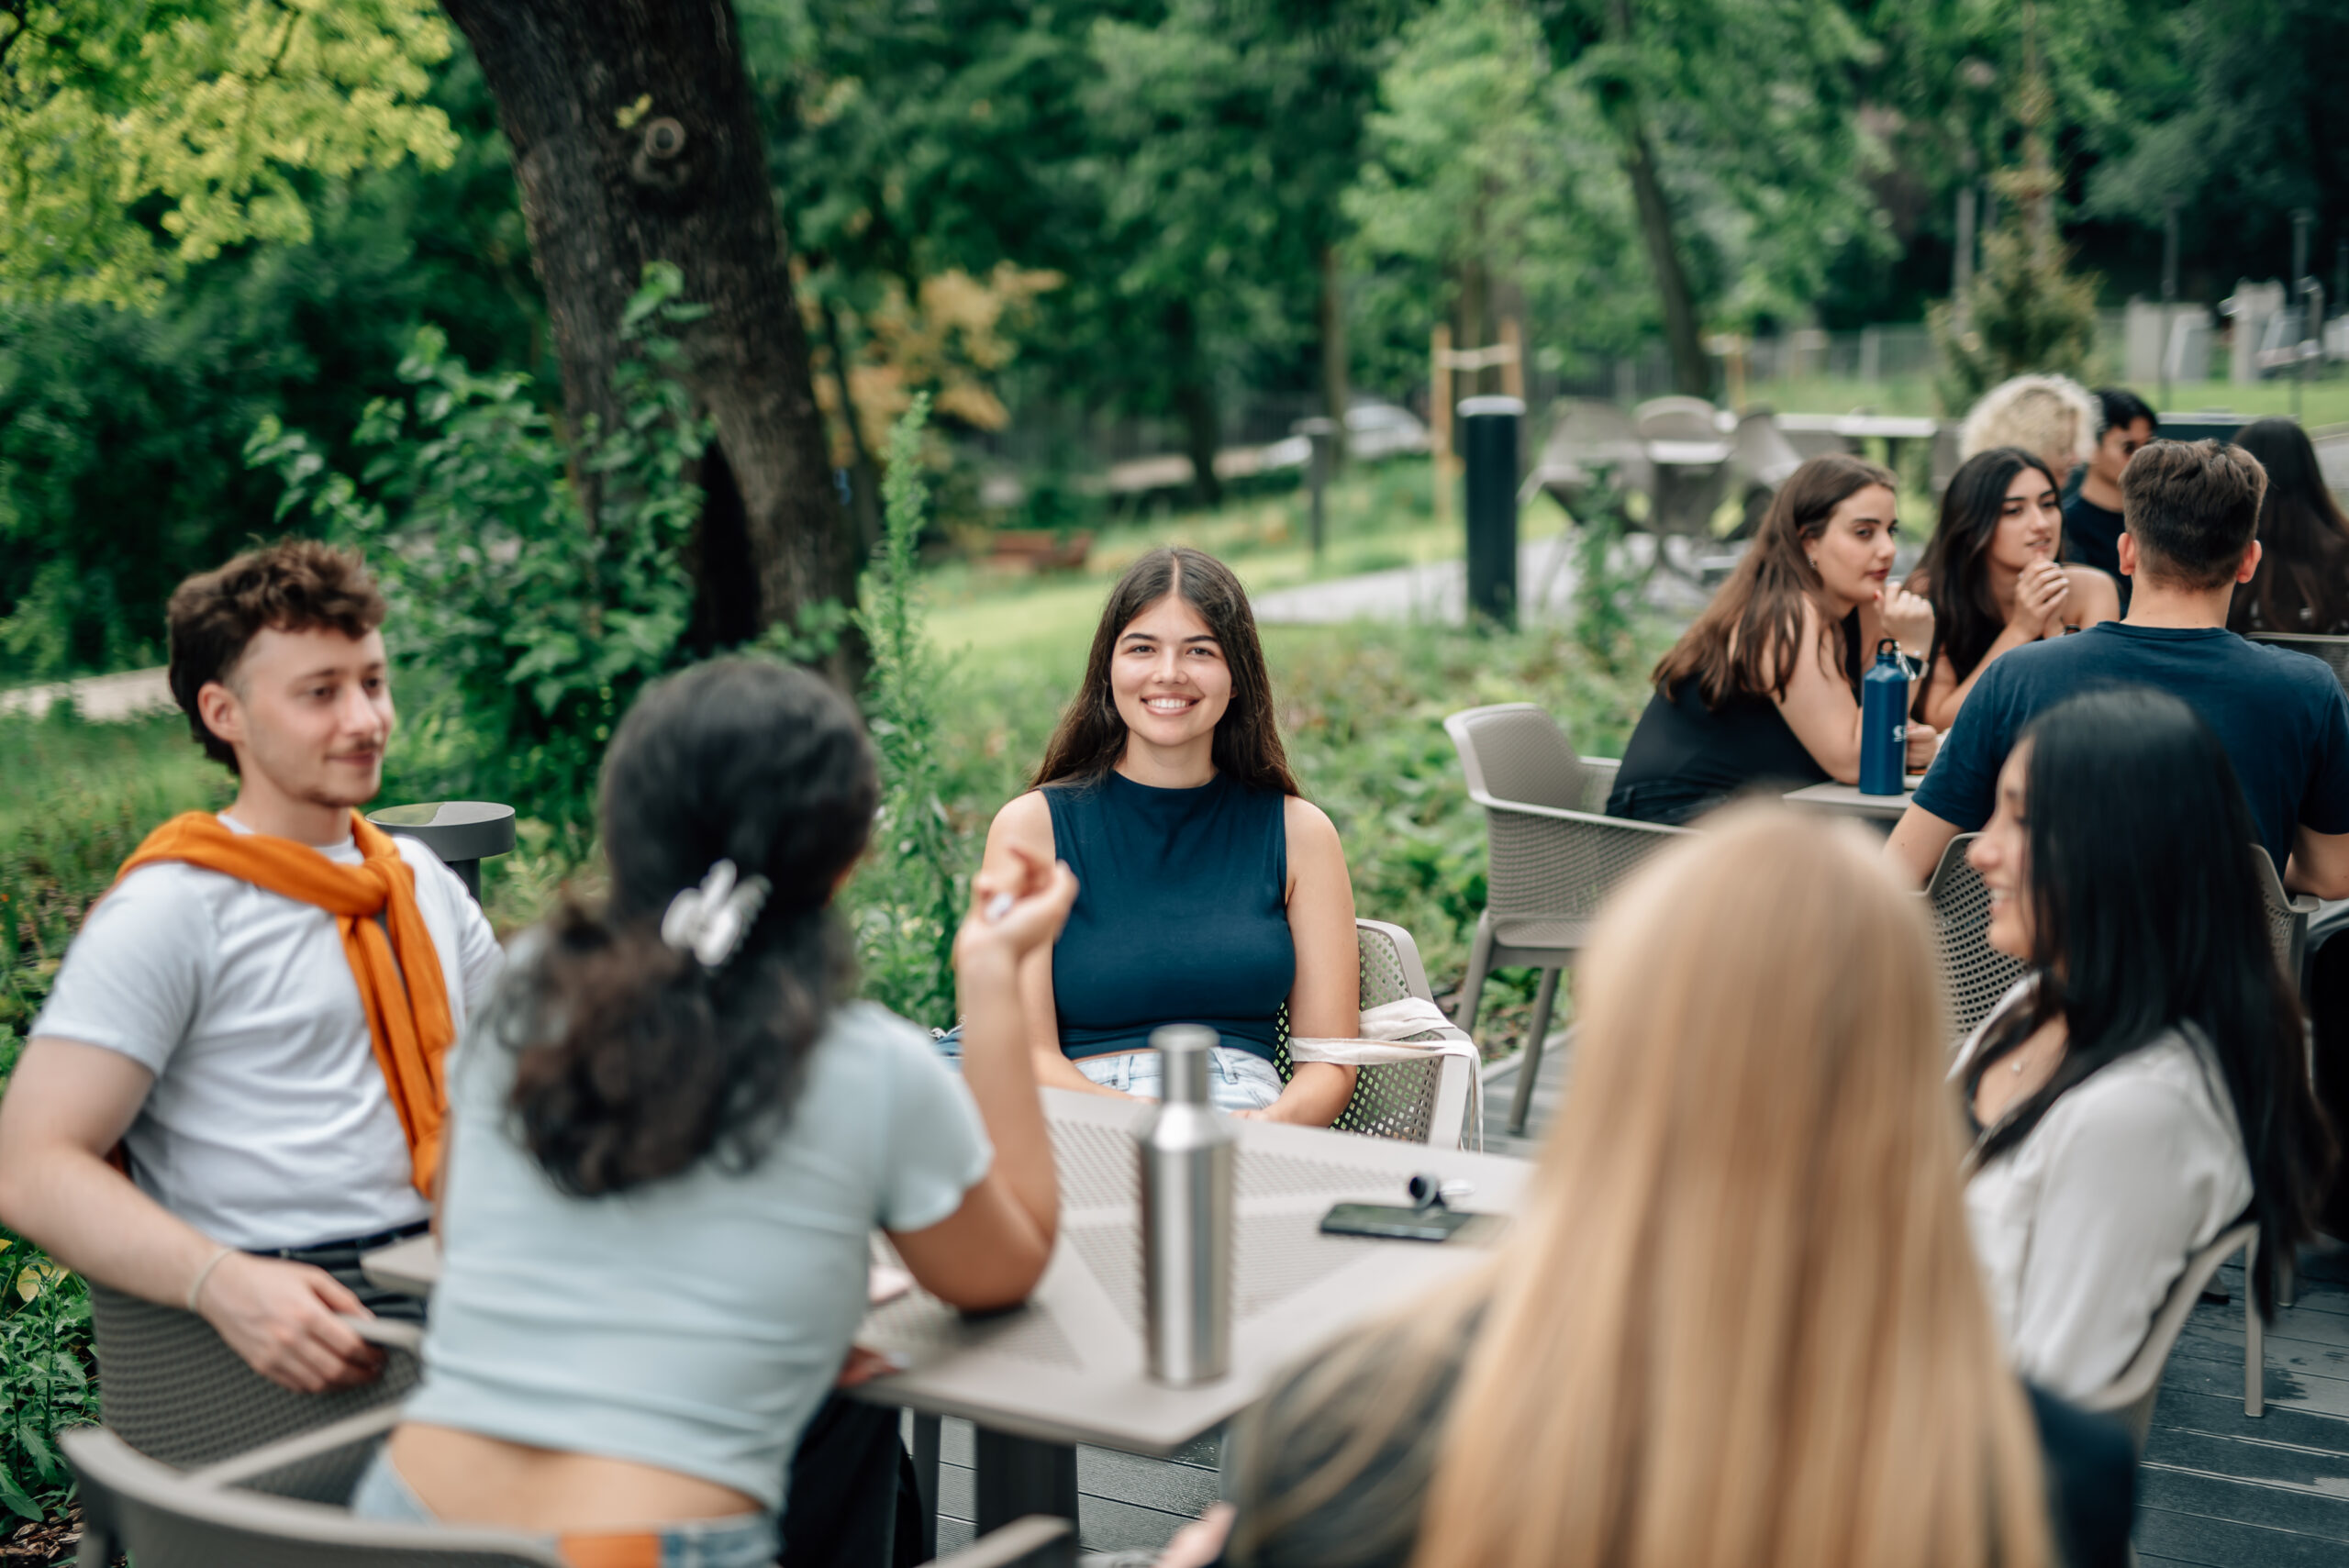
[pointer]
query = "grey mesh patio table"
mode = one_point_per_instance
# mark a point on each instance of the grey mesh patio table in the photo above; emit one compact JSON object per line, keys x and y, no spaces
{"x":1067,"y":1368}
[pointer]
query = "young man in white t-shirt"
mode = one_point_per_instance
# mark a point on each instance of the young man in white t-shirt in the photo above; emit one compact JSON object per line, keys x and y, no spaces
{"x":215,"y":1031}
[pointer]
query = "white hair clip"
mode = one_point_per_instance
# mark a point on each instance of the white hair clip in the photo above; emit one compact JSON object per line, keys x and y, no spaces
{"x":711,"y":920}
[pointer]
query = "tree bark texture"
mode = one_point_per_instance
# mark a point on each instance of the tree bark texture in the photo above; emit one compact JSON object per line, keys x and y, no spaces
{"x":1690,"y":374}
{"x":684,"y":181}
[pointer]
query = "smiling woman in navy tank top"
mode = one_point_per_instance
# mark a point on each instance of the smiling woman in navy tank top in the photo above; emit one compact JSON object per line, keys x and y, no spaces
{"x":1208,"y":890}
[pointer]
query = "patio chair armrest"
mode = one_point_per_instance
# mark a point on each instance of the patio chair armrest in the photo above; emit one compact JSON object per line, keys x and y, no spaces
{"x":388,"y":1332}
{"x":1038,"y":1538}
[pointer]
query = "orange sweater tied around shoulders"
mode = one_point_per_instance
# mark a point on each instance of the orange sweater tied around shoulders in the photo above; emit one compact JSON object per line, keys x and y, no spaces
{"x":409,"y":1020}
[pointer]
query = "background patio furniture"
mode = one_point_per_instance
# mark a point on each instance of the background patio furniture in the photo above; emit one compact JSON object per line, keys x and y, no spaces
{"x":1552,"y":859}
{"x":1760,"y":459}
{"x":2333,"y":651}
{"x":1589,"y":439}
{"x":1692,"y":461}
{"x":2131,"y":1395}
{"x":169,"y":1518}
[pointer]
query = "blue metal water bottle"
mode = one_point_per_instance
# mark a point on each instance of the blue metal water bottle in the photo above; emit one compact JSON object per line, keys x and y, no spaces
{"x":1884,"y":722}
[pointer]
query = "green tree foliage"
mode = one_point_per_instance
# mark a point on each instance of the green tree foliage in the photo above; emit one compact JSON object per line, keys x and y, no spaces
{"x":1177,"y":164}
{"x":120,"y":430}
{"x":2236,"y":113}
{"x":2024,"y":314}
{"x":1478,"y":156}
{"x":140,"y":135}
{"x":521,"y":628}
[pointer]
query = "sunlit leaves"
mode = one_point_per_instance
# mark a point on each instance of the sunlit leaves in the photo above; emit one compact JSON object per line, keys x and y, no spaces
{"x":135,"y":138}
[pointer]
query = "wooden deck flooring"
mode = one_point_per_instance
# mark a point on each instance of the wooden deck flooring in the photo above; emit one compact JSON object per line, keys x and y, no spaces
{"x":2218,"y":1488}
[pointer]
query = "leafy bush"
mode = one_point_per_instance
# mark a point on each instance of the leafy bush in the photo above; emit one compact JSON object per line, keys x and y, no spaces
{"x":909,"y":894}
{"x":46,"y":1378}
{"x":521,"y":628}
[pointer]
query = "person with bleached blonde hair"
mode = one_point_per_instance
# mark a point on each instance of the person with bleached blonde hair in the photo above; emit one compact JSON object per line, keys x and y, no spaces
{"x":2051,"y":416}
{"x":1738,"y":1321}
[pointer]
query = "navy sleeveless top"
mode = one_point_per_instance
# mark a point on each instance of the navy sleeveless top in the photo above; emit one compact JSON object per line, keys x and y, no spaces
{"x":1180,"y":914}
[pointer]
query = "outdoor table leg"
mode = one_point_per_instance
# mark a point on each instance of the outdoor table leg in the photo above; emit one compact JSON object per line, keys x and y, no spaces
{"x":1019,"y":1476}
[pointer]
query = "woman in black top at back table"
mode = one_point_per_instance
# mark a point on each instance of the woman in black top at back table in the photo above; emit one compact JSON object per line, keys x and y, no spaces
{"x":1994,"y":578}
{"x":1764,"y":687}
{"x":1208,"y":890}
{"x":2302,"y":584}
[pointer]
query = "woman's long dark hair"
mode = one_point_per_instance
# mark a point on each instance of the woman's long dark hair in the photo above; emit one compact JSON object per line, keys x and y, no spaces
{"x":1746,"y":642}
{"x":2302,"y":584}
{"x":1091,"y":737}
{"x":2149,"y":915}
{"x":635,"y":1061}
{"x":1954,"y":574}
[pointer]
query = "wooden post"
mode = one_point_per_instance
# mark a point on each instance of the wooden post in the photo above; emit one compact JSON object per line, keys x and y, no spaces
{"x":1439,"y":418}
{"x":1513,"y":362}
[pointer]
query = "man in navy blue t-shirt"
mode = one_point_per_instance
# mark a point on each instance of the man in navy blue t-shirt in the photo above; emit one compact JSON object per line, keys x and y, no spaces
{"x":2191,"y":509}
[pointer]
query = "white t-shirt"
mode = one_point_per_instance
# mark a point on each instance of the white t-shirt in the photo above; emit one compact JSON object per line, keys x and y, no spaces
{"x":694,"y":1323}
{"x":269,"y":1124}
{"x":2082,"y":1228}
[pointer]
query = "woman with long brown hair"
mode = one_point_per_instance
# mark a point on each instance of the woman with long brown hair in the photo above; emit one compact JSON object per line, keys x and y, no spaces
{"x":1209,"y":890}
{"x":1764,"y":687}
{"x":1738,"y":1321}
{"x":2302,"y":584}
{"x":1995,"y":576}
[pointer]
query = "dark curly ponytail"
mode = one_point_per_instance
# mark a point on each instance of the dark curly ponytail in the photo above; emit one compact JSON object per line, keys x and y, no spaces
{"x":634,"y":1061}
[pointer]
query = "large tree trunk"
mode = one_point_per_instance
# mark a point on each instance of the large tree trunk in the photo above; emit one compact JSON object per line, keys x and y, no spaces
{"x":686,"y":182}
{"x":1690,"y":372}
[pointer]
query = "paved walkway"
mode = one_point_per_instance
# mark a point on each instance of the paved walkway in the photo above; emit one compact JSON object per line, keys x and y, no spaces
{"x":1438,"y":591}
{"x":98,"y":697}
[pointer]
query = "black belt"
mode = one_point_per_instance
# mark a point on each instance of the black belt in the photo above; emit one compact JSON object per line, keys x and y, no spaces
{"x":351,"y":1244}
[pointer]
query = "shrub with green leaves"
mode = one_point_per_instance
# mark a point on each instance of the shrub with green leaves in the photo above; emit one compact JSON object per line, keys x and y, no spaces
{"x":45,"y":1374}
{"x":909,"y":894}
{"x":521,"y":628}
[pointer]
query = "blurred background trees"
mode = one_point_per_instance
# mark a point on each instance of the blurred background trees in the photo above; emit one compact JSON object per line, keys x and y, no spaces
{"x":1094,"y":230}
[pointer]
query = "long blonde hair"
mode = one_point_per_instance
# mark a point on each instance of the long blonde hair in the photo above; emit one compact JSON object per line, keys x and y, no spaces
{"x":1739,"y":1320}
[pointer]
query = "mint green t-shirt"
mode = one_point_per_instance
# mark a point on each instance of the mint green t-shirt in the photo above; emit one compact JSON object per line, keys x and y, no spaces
{"x":696,"y":1323}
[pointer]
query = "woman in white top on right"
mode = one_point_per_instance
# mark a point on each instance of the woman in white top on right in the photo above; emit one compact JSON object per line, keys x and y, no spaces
{"x":2146,"y":1087}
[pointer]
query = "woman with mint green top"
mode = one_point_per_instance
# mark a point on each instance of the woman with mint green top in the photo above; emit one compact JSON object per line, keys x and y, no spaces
{"x":672,"y":1139}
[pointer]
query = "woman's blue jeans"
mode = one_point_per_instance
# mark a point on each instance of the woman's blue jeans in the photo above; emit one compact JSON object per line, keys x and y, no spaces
{"x":1237,"y":1080}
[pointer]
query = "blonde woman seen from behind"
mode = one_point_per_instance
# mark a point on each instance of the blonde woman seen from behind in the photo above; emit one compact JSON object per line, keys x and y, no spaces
{"x":1738,"y":1322}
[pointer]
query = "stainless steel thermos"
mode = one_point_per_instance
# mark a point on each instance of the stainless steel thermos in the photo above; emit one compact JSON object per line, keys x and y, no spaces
{"x":1884,"y":722}
{"x":1187,"y":1155}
